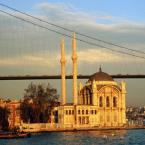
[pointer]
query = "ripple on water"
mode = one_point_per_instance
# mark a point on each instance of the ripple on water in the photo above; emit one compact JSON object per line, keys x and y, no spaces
{"x":120,"y":137}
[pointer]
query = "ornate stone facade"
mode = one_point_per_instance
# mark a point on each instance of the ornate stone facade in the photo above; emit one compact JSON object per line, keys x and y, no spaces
{"x":99,"y":103}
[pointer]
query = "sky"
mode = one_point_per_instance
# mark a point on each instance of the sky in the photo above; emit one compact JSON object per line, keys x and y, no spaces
{"x":27,"y":49}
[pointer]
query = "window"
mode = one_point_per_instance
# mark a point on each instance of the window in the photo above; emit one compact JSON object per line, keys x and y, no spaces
{"x":80,"y":120}
{"x":83,"y":120}
{"x":101,"y":101}
{"x":87,"y":120}
{"x":69,"y":112}
{"x":86,"y":111}
{"x":79,"y":111}
{"x":95,"y":111}
{"x":82,"y":111}
{"x":107,"y":102}
{"x":92,"y":111}
{"x":66,"y":112}
{"x":114,"y":102}
{"x":72,"y":111}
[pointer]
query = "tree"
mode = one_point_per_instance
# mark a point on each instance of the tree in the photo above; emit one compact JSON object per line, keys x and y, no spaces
{"x":38,"y":103}
{"x":4,"y":114}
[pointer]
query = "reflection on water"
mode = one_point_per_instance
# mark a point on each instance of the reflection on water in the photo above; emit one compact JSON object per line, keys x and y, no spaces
{"x":108,"y":133}
{"x":94,"y":137}
{"x":113,"y":137}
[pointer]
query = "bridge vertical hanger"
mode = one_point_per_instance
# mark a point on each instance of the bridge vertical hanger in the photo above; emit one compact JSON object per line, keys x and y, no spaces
{"x":63,"y":61}
{"x":74,"y":59}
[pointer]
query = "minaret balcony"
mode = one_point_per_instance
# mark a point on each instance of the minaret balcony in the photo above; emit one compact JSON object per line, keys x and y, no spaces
{"x":62,"y":61}
{"x":74,"y":58}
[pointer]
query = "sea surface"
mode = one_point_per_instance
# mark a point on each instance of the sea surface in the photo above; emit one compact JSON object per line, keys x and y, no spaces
{"x":112,"y":137}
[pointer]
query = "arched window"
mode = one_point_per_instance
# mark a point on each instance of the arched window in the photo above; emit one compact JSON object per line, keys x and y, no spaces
{"x":86,"y":111}
{"x":92,"y":111}
{"x":79,"y":111}
{"x":107,"y":102}
{"x":66,"y":112}
{"x":114,"y":102}
{"x":69,"y":112}
{"x":101,"y":101}
{"x":82,"y":111}
{"x":95,"y":111}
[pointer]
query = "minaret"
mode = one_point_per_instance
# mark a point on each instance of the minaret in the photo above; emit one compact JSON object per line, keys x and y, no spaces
{"x":74,"y":59}
{"x":63,"y":61}
{"x":123,"y":104}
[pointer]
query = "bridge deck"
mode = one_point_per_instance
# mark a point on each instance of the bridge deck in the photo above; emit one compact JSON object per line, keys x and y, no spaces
{"x":28,"y":77}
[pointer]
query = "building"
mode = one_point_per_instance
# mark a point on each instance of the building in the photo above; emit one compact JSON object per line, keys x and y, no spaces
{"x":135,"y":116}
{"x":98,"y":103}
{"x":14,"y":116}
{"x":14,"y":112}
{"x":2,"y":103}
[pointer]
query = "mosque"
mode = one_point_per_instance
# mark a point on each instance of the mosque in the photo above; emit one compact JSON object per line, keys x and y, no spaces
{"x":98,"y":103}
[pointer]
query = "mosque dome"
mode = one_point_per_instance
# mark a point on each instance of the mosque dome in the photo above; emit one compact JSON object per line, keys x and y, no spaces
{"x":101,"y":76}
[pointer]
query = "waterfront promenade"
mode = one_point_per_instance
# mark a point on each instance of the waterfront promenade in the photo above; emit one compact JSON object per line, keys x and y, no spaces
{"x":33,"y":128}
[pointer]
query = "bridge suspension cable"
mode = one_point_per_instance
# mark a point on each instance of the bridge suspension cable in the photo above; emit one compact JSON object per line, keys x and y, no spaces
{"x":66,"y":35}
{"x":70,"y":30}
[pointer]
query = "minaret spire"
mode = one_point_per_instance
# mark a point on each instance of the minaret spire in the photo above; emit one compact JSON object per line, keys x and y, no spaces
{"x":63,"y":61}
{"x":74,"y":59}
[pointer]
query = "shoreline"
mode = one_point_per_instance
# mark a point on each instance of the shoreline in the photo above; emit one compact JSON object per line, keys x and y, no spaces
{"x":85,"y":129}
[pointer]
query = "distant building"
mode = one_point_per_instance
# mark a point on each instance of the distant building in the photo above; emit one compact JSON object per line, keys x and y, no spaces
{"x":2,"y":103}
{"x":14,"y":117}
{"x":135,"y":116}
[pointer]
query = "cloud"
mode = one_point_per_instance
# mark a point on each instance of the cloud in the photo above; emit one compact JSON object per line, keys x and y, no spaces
{"x":23,"y":41}
{"x":90,"y":56}
{"x":29,"y":60}
{"x":62,"y":13}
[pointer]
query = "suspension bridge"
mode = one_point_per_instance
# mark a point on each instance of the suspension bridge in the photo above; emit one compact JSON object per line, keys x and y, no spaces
{"x":43,"y":77}
{"x":21,"y":44}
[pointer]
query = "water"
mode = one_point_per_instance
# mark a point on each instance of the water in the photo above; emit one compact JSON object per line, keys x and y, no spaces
{"x":122,"y":137}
